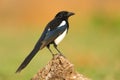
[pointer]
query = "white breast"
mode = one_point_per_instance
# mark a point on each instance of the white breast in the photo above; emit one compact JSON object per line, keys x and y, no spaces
{"x":61,"y":37}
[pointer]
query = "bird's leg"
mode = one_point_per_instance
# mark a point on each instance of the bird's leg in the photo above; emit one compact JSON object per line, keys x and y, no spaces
{"x":55,"y":46}
{"x":48,"y":46}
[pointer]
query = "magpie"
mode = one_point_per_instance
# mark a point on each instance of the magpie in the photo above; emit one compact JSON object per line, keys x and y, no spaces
{"x":53,"y":33}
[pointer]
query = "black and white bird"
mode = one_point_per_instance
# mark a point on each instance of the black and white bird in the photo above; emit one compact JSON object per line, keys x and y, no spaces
{"x":54,"y":33}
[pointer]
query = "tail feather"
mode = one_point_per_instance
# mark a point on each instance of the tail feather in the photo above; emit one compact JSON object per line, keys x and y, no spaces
{"x":27,"y":59}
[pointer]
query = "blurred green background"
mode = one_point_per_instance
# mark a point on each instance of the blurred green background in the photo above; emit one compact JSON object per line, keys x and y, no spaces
{"x":92,"y":45}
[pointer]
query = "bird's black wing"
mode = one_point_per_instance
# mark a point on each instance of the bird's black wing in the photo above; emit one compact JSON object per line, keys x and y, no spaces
{"x":52,"y":35}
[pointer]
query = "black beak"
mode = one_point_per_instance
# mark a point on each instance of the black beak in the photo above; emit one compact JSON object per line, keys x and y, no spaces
{"x":70,"y":14}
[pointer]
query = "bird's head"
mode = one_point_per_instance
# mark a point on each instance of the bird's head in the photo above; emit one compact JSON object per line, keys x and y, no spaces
{"x":64,"y":14}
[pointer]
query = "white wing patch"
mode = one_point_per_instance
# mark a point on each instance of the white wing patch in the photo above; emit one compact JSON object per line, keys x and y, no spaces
{"x":60,"y":38}
{"x":48,"y":29}
{"x":62,"y":24}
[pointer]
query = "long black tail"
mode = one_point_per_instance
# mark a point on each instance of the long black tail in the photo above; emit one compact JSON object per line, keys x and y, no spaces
{"x":27,"y":59}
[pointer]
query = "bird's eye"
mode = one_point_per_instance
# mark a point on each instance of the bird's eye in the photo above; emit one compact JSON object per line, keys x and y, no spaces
{"x":60,"y":16}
